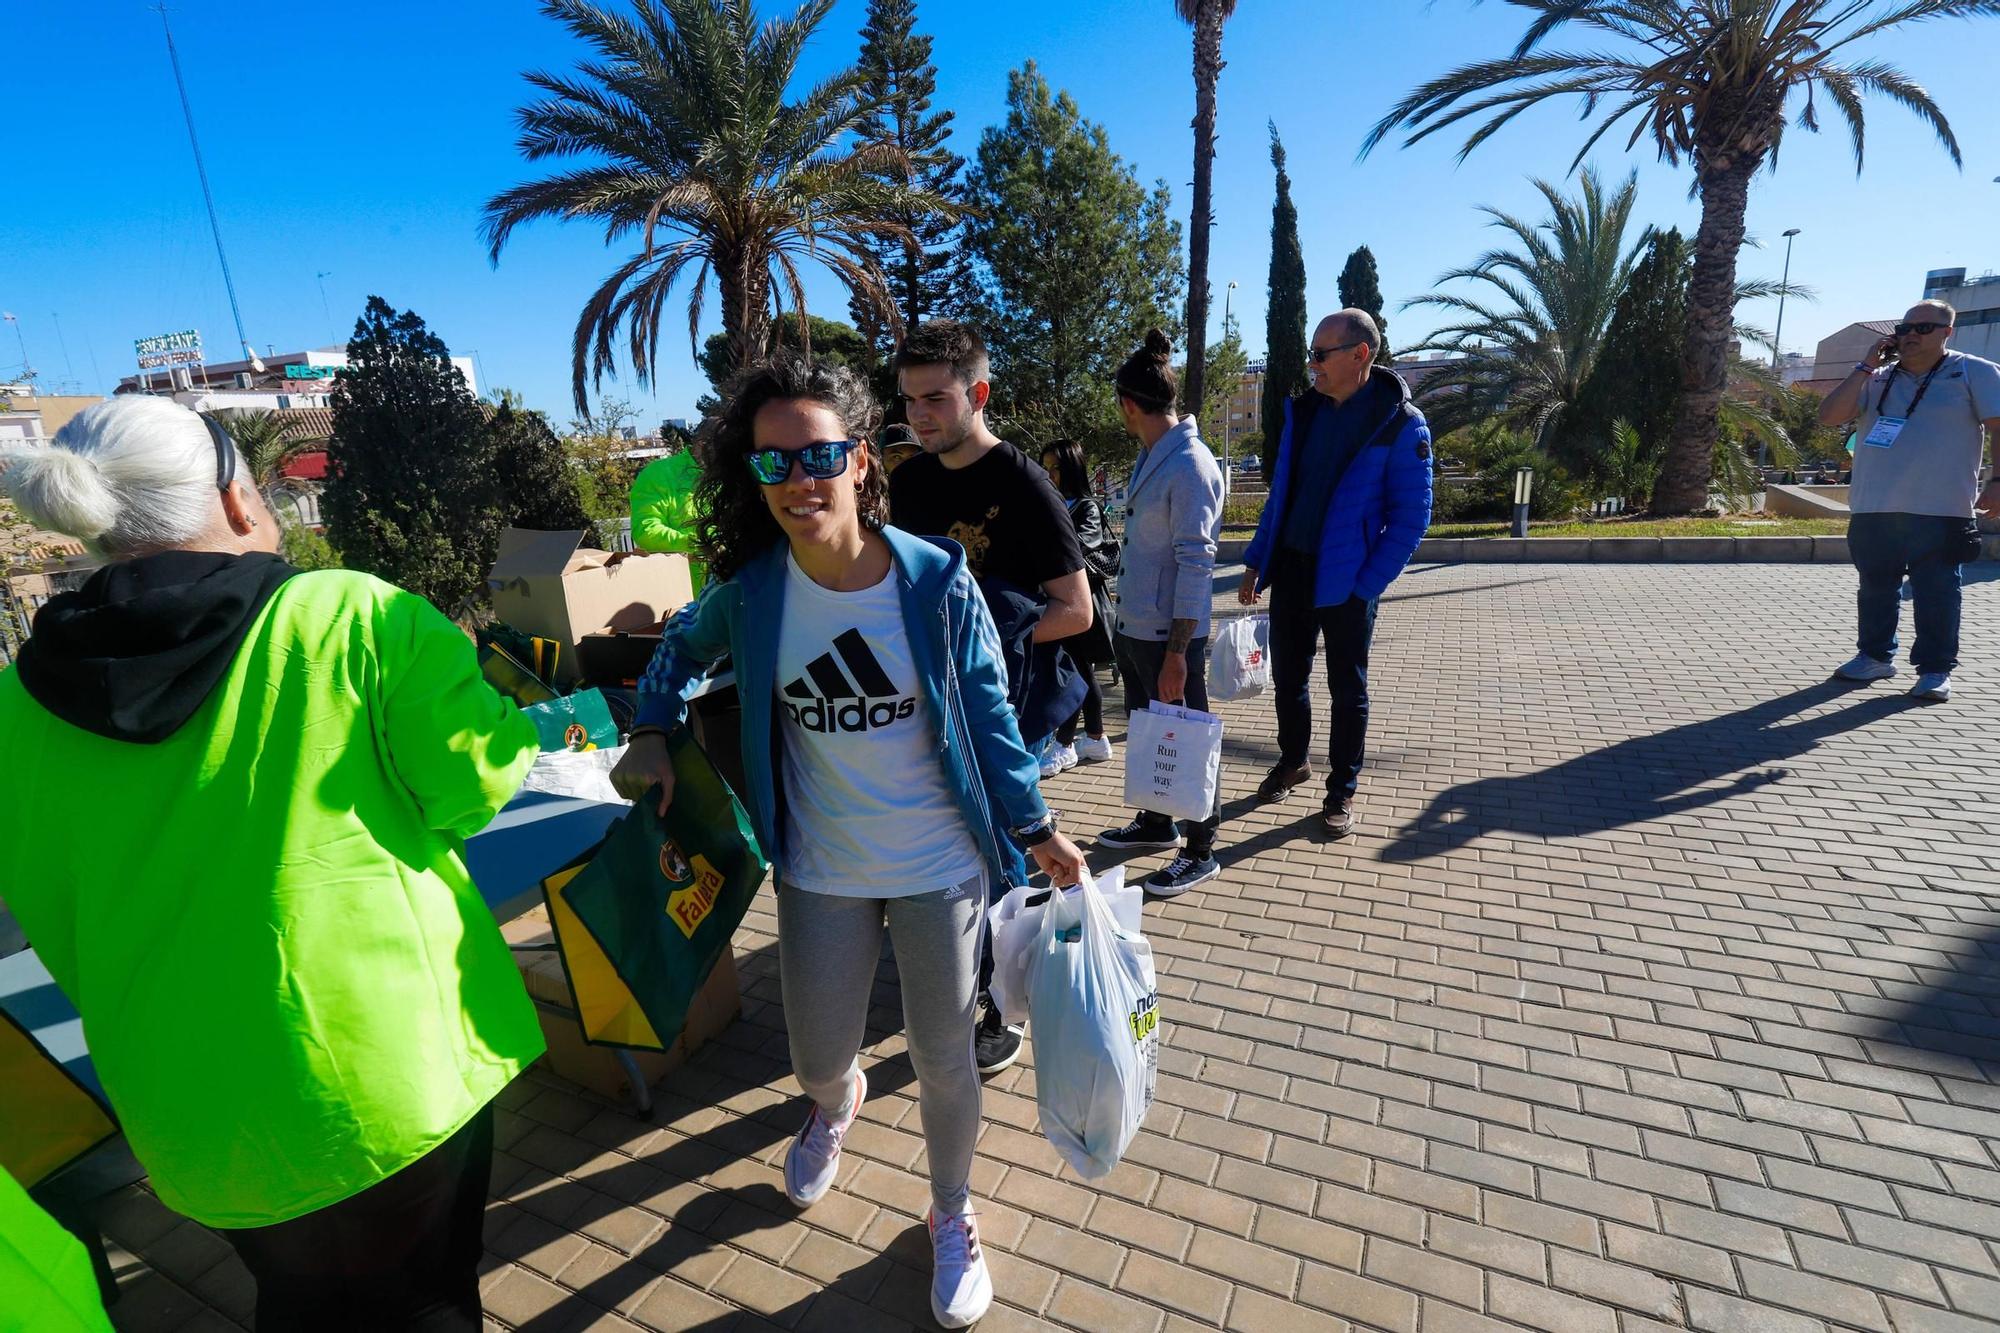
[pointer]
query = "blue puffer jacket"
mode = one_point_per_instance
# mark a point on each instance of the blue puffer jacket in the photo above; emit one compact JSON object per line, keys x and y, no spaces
{"x":1377,"y":513}
{"x":994,"y":779}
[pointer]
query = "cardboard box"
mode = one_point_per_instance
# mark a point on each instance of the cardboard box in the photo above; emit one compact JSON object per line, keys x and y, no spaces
{"x":598,"y":1068}
{"x":550,"y":585}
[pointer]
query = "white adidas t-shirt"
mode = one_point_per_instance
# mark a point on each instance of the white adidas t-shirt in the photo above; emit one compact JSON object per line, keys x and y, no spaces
{"x":867,"y":811}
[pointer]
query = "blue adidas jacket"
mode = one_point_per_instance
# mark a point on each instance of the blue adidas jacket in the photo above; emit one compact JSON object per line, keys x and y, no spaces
{"x":1376,"y":515}
{"x":994,"y":779}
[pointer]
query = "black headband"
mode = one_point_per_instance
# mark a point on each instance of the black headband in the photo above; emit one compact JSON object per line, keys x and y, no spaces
{"x":225,"y":452}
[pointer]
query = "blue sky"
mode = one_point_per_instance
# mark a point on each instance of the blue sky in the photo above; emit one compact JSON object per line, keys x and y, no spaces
{"x":360,"y":140}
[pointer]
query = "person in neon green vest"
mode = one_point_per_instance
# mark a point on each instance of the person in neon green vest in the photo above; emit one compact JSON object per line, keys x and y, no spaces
{"x":46,"y":1282}
{"x":663,"y":510}
{"x":236,"y":801}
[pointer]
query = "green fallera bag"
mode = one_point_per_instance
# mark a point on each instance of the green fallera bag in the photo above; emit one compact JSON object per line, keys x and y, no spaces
{"x":661,"y":897}
{"x":580,"y":721}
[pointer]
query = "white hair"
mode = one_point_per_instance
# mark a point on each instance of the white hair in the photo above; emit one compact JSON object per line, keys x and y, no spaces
{"x":1938,"y":307}
{"x":136,"y":473}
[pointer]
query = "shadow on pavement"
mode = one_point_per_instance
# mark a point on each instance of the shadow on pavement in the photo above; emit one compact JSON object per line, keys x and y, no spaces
{"x":1647,"y":777}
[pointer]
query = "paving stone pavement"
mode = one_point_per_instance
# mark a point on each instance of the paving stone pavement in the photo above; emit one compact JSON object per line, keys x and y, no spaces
{"x":1658,"y":989}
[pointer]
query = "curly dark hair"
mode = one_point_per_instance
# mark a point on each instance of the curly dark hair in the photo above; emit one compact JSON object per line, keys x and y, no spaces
{"x":735,"y":524}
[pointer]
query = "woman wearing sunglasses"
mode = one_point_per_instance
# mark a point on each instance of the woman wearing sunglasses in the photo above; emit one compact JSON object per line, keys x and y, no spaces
{"x":886,"y":778}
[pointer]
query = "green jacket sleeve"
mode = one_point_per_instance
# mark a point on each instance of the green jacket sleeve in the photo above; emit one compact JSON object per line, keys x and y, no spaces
{"x":663,"y":505}
{"x":460,"y":749}
{"x":45,"y":1273}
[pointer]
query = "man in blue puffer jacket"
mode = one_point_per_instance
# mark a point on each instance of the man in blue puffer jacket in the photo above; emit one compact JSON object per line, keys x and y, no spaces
{"x":1349,"y":502}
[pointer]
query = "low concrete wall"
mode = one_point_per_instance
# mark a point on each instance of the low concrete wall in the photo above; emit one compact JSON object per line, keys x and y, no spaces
{"x":1806,"y":501}
{"x":1638,"y":550}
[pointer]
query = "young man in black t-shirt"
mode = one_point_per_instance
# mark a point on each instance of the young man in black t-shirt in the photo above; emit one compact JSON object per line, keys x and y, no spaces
{"x":985,"y":494}
{"x":975,"y":488}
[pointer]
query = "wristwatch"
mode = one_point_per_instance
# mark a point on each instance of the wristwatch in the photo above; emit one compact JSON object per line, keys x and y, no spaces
{"x":1037,"y":833}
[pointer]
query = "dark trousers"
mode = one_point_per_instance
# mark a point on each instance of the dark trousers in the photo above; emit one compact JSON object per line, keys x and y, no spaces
{"x":402,"y":1254}
{"x":1091,"y":714}
{"x":1139,"y":662}
{"x":1932,"y":551}
{"x":1297,"y":626}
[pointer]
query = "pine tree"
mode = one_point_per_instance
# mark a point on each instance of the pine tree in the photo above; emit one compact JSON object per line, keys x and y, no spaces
{"x":411,"y":494}
{"x":1285,"y":311}
{"x":1637,"y":375}
{"x":538,"y":485}
{"x":1079,"y":260}
{"x":929,"y":274}
{"x":1361,"y":289}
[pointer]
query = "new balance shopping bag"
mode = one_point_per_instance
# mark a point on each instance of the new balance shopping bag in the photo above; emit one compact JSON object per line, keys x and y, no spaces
{"x":1094,"y":1010}
{"x":1173,"y":760}
{"x":1239,"y":659}
{"x":641,"y":922}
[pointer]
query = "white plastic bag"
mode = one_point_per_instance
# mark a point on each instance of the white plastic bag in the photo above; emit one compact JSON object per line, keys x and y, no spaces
{"x":582,"y":774}
{"x":1239,"y":658}
{"x":1015,"y":924}
{"x":1173,"y":760}
{"x":1095,"y":1011}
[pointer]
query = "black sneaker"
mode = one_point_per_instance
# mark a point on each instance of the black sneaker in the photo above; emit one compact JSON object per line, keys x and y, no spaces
{"x":995,"y":1043}
{"x":1142,"y":832}
{"x":1181,"y":874}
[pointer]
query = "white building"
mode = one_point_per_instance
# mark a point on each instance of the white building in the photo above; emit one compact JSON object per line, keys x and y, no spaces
{"x":279,"y":382}
{"x":1977,"y":302}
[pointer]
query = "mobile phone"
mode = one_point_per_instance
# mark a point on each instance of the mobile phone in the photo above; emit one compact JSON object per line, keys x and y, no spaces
{"x":1889,"y":351}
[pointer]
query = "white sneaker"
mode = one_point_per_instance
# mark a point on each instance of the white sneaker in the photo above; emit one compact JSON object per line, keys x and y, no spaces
{"x":960,"y":1287}
{"x":1863,"y":667}
{"x":1093,"y":749}
{"x":1058,"y":758}
{"x":1932,"y":685}
{"x":814,"y":1158}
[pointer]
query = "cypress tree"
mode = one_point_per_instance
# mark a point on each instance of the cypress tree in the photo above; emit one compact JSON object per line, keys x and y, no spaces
{"x":1285,"y":311}
{"x":411,"y":494}
{"x":1637,"y":374}
{"x":1361,"y":289}
{"x":929,"y":274}
{"x":537,"y":483}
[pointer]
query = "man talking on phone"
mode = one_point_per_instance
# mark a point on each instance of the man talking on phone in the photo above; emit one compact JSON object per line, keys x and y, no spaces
{"x":1922,"y":415}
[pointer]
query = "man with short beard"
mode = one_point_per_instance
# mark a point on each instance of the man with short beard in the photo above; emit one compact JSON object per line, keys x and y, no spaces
{"x":989,"y":497}
{"x":1920,"y":413}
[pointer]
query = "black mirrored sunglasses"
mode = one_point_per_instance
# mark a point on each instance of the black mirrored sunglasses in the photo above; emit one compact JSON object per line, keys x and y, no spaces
{"x":1923,"y":327}
{"x":225,"y":452}
{"x":1319,"y":354}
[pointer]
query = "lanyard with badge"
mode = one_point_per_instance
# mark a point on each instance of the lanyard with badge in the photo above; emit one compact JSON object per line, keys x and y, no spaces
{"x":1886,"y":429}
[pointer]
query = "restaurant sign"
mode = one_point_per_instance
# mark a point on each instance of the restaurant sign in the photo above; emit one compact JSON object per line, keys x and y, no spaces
{"x":169,"y":349}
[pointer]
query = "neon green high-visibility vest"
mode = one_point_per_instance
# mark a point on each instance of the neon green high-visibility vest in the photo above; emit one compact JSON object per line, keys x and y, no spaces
{"x":290,"y":987}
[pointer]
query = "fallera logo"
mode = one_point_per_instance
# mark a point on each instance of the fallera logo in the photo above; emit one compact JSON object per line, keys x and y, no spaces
{"x":827,"y":701}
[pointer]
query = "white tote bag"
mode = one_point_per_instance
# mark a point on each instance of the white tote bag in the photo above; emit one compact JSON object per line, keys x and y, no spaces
{"x":1015,"y":924}
{"x":1094,"y":1009}
{"x":1173,"y":760}
{"x":1239,"y":658}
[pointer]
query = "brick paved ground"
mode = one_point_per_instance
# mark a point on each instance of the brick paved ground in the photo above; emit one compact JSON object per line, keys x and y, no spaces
{"x":1659,"y":989}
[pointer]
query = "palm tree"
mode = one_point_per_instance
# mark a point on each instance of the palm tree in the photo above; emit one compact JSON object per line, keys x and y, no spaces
{"x":1706,"y":80}
{"x":696,"y":151}
{"x":1529,"y":343}
{"x":1207,"y":18}
{"x":265,"y":447}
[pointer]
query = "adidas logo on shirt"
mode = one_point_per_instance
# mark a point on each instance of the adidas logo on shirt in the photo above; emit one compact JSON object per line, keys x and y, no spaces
{"x":827,"y":700}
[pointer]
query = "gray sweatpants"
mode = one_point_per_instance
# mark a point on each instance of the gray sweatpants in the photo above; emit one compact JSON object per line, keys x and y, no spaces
{"x":827,"y":950}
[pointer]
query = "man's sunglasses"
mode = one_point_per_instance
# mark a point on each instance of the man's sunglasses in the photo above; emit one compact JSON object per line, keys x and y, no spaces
{"x":822,"y":460}
{"x":1925,"y":328}
{"x":1319,"y":354}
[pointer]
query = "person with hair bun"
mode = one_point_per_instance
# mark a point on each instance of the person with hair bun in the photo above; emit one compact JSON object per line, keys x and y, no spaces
{"x":236,"y":797}
{"x":883,"y":771}
{"x":1173,"y":515}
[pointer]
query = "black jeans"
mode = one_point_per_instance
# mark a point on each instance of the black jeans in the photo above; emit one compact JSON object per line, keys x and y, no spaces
{"x":402,"y":1254}
{"x":1297,"y":626}
{"x":1932,"y":550}
{"x":1091,"y":714}
{"x":1139,"y":662}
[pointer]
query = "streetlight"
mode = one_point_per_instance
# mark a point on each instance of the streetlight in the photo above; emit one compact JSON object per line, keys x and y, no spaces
{"x":1229,"y":404}
{"x":1778,"y":338}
